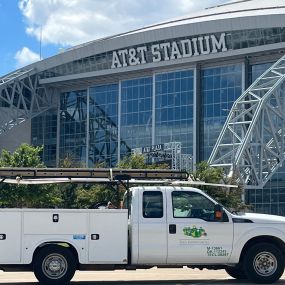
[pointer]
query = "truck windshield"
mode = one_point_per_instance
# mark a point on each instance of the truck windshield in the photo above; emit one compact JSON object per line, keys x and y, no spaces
{"x":229,"y":210}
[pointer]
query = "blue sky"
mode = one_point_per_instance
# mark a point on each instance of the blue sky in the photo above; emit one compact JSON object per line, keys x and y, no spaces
{"x":64,"y":23}
{"x":14,"y":37}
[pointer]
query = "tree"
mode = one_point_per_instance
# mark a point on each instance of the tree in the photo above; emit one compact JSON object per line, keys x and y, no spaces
{"x":88,"y":195}
{"x":26,"y":195}
{"x":84,"y":195}
{"x":138,"y":161}
{"x":230,"y":198}
{"x":24,"y":156}
{"x":134,"y":161}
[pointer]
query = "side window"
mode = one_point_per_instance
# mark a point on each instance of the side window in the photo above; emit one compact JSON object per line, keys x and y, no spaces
{"x":192,"y":205}
{"x":152,"y":204}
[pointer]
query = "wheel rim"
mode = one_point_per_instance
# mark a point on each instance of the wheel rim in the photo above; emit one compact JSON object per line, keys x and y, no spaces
{"x":265,"y":263}
{"x":54,"y":266}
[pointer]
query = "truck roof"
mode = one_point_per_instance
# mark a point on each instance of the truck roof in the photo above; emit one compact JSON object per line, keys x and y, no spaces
{"x":167,"y":188}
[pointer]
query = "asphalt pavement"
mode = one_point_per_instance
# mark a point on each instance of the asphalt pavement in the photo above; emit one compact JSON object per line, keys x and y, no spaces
{"x":154,"y":276}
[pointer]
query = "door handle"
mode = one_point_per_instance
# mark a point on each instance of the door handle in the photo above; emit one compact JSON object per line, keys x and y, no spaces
{"x":172,"y":229}
{"x":95,"y":236}
{"x":2,"y":236}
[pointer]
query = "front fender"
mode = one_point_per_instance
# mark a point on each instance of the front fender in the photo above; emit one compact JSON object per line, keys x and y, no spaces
{"x":241,"y":237}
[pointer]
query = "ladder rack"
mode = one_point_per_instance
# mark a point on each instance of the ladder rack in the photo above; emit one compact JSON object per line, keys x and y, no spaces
{"x":112,"y":174}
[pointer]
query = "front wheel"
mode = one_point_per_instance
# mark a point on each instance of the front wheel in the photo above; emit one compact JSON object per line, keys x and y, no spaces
{"x":54,"y":265}
{"x":264,"y":263}
{"x":236,"y":272}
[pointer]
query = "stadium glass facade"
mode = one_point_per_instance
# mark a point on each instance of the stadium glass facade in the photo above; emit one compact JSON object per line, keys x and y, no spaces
{"x":221,"y":86}
{"x":136,"y":112}
{"x":171,"y":83}
{"x":174,"y":109}
{"x":103,"y":125}
{"x":44,"y":133}
{"x":73,"y":121}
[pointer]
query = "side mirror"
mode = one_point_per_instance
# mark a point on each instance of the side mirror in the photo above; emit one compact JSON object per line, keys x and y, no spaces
{"x":219,"y":211}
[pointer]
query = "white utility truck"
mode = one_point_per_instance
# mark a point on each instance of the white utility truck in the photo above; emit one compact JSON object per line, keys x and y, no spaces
{"x":161,"y":225}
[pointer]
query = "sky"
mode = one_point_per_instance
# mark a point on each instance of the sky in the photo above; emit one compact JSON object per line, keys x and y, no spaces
{"x":34,"y":29}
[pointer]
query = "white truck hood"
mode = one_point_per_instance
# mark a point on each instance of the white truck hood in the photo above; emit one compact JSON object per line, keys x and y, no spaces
{"x":261,"y":218}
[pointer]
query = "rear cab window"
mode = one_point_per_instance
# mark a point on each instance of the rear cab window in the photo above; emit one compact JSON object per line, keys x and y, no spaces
{"x":152,"y":204}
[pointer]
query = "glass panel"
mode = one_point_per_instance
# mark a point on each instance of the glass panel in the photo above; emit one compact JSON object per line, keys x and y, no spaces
{"x":136,"y":114}
{"x":73,"y":120}
{"x":221,"y":87}
{"x":174,"y":109}
{"x":152,"y":204}
{"x":257,"y":70}
{"x":43,"y":133}
{"x":103,"y":125}
{"x":192,"y":205}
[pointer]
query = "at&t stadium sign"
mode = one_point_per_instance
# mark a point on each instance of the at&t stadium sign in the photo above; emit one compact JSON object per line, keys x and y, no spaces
{"x":171,"y":50}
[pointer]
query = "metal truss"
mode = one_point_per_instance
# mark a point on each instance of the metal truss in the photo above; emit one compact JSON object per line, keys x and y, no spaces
{"x":22,"y":98}
{"x":251,"y":143}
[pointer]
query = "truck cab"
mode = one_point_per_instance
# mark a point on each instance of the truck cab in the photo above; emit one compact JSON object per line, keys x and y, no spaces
{"x":178,"y":225}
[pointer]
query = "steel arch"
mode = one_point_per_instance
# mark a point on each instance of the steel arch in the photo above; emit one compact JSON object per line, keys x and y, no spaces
{"x":251,"y":142}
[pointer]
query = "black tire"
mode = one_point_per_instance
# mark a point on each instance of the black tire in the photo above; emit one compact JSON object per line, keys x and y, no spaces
{"x":54,"y":264}
{"x":264,"y":263}
{"x":236,"y":272}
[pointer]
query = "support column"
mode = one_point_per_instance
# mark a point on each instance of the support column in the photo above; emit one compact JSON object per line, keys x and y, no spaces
{"x":245,"y":84}
{"x":196,"y":116}
{"x":245,"y":74}
{"x":119,"y":120}
{"x":87,"y":126}
{"x":153,"y":111}
{"x":57,"y":131}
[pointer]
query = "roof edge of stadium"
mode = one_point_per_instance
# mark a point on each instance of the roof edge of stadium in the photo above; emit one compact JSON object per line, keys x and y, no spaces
{"x":184,"y":18}
{"x":178,"y":20}
{"x":228,"y":3}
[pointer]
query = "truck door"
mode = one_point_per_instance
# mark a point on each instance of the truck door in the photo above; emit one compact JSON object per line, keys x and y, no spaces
{"x":152,"y":227}
{"x":194,"y":236}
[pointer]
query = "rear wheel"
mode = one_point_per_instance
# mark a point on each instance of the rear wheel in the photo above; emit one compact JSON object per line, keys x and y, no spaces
{"x":236,"y":272}
{"x":54,"y":264}
{"x":264,"y":263}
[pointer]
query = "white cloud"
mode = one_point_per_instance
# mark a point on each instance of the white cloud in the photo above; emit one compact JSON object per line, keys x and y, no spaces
{"x":70,"y":22}
{"x":25,"y":56}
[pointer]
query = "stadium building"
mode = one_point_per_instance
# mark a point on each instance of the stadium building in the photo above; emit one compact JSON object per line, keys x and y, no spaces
{"x":172,"y":82}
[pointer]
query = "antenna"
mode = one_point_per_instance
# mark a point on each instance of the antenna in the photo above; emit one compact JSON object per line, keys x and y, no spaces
{"x":41,"y":34}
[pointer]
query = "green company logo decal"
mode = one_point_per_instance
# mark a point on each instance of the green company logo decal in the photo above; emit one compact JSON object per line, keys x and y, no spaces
{"x":194,"y":232}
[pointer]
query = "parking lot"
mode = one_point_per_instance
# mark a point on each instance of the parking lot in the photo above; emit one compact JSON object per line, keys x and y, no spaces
{"x":153,"y":276}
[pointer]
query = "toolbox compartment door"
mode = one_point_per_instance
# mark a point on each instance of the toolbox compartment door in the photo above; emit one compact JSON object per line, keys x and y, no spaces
{"x":10,"y":237}
{"x":55,"y":222}
{"x":108,"y":239}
